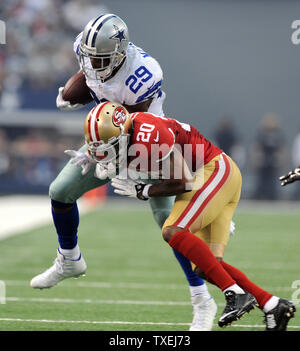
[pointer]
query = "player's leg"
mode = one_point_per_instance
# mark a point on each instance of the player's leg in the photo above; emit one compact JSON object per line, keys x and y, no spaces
{"x":216,"y":234}
{"x":201,"y":299}
{"x":277,"y":311}
{"x":238,"y":301}
{"x":218,"y":243}
{"x":64,"y":192}
{"x":198,"y":209}
{"x":161,"y":208}
{"x":217,"y":237}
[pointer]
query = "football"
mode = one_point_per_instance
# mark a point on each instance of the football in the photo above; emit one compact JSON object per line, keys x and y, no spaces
{"x":76,"y":91}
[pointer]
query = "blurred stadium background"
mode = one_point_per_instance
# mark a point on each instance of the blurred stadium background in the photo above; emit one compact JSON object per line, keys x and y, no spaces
{"x":230,"y":69}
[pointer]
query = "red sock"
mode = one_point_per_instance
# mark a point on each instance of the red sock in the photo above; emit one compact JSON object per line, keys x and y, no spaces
{"x":261,"y":295}
{"x":199,"y":253}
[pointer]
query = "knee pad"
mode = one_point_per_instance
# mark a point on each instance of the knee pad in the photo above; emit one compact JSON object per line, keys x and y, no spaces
{"x":55,"y":192}
{"x":58,"y":191}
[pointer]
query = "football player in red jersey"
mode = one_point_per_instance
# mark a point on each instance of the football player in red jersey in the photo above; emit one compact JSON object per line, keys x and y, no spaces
{"x":207,"y":185}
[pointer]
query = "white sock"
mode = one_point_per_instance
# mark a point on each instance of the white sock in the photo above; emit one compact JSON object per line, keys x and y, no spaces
{"x":236,"y":289}
{"x":199,"y":291}
{"x":72,"y":254}
{"x":270,"y":304}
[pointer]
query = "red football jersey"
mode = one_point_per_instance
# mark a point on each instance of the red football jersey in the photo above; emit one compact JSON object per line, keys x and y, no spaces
{"x":154,"y":137}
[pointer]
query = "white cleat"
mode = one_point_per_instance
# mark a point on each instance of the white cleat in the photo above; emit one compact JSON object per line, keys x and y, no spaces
{"x":62,"y":268}
{"x":205,"y":310}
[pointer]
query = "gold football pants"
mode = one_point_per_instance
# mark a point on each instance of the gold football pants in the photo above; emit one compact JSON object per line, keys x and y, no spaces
{"x":208,"y":209}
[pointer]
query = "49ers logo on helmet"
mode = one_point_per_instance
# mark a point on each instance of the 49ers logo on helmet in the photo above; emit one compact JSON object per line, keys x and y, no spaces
{"x":119,"y":116}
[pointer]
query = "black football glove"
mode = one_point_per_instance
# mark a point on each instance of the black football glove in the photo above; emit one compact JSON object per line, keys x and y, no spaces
{"x":290,"y":177}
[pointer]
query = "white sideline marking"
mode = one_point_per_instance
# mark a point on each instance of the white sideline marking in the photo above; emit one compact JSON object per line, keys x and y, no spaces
{"x":125,"y":285}
{"x":109,"y":302}
{"x":88,"y":322}
{"x":22,"y":213}
{"x":125,"y":322}
{"x":106,"y":285}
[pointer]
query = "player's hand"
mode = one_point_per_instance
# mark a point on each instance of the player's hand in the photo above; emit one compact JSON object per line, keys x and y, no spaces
{"x":290,"y":177}
{"x":80,"y":159}
{"x":105,"y":171}
{"x":65,"y":105}
{"x":130,"y":188}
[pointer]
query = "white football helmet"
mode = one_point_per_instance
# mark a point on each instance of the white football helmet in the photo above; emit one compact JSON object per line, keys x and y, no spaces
{"x":107,"y":130}
{"x":105,"y":39}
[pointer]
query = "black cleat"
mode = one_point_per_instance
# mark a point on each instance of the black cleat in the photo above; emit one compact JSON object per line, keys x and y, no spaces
{"x":236,"y":306}
{"x":277,"y":319}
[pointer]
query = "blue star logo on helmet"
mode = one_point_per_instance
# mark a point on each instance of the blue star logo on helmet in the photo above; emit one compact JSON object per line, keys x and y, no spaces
{"x":119,"y":35}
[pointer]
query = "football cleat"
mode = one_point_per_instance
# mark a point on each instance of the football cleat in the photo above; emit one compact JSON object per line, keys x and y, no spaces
{"x":277,"y":319}
{"x":236,"y":306}
{"x":204,"y":310}
{"x":62,"y":268}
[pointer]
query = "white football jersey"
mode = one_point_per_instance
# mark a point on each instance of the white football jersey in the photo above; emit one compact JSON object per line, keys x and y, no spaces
{"x":139,"y":79}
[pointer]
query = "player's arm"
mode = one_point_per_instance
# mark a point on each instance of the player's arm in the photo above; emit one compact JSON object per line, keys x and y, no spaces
{"x":75,"y":94}
{"x":176,"y":179}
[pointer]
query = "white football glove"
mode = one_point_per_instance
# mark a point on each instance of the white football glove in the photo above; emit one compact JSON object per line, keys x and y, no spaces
{"x":131,"y":188}
{"x":80,"y":159}
{"x":65,"y":105}
{"x":107,"y":171}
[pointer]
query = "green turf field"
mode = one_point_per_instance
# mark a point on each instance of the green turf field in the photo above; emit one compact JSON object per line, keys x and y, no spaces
{"x":133,"y":281}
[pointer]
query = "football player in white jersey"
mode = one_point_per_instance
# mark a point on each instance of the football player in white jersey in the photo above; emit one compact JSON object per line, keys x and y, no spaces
{"x":115,"y":70}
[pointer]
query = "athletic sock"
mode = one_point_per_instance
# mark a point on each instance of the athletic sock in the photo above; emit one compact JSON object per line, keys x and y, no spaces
{"x":199,"y":253}
{"x":66,"y":221}
{"x":261,"y":295}
{"x":235,"y":288}
{"x":71,"y":254}
{"x":200,"y":290}
{"x":270,"y":304}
